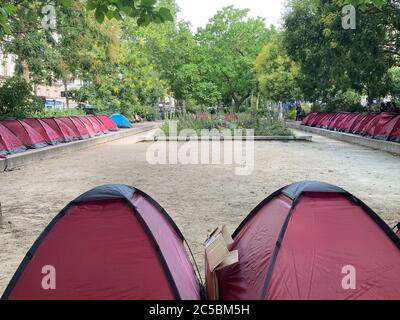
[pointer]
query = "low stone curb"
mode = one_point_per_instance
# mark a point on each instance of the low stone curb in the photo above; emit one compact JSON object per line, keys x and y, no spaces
{"x":25,"y":158}
{"x":222,"y":138}
{"x":387,"y":146}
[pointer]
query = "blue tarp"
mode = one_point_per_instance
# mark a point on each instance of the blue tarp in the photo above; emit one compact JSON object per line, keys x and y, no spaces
{"x":121,"y":121}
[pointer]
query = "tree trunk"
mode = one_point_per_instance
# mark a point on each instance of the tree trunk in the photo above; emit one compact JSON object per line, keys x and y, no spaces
{"x":25,"y":71}
{"x":239,"y":101}
{"x":66,"y":92}
{"x":258,"y":101}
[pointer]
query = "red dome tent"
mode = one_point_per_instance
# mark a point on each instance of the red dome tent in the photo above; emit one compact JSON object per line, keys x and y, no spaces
{"x":343,"y":124}
{"x":309,"y":118}
{"x":327,"y":120}
{"x":385,"y":126}
{"x":93,"y":128}
{"x":318,"y":119}
{"x":25,"y":133}
{"x":77,"y":127}
{"x":395,"y":133}
{"x":95,"y":120}
{"x":50,"y":135}
{"x":62,"y":129}
{"x":374,"y":125}
{"x":113,"y":242}
{"x":9,"y":143}
{"x":361,"y":126}
{"x":107,"y":122}
{"x":297,"y":243}
{"x":354,"y":121}
{"x":336,"y":120}
{"x":88,"y":126}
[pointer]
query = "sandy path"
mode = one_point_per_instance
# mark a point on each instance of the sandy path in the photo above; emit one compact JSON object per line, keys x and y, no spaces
{"x":197,"y":197}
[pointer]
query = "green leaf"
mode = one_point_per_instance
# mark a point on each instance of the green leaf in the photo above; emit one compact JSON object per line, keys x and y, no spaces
{"x":3,"y":13}
{"x":166,"y":14}
{"x":148,"y":3}
{"x":10,"y":8}
{"x":67,"y":3}
{"x":99,"y":15}
{"x":91,"y":5}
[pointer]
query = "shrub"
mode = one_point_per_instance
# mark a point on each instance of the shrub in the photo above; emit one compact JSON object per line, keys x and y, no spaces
{"x":292,"y":114}
{"x":17,"y":100}
{"x":265,"y":126}
{"x":48,"y":113}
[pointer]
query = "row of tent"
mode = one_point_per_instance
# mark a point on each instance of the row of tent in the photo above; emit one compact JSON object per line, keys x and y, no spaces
{"x":19,"y":135}
{"x":300,"y":243}
{"x":382,"y":126}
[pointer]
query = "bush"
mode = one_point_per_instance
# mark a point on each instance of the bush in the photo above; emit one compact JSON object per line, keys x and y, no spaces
{"x":17,"y":100}
{"x":147,"y":113}
{"x":292,"y":114}
{"x":262,"y":125}
{"x":48,"y":113}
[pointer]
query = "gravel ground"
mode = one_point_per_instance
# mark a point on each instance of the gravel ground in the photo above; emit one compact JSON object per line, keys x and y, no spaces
{"x":198,"y":197}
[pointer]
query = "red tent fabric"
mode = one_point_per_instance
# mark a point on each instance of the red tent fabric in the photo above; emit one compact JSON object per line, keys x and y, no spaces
{"x":309,"y":118}
{"x":361,"y":126}
{"x":95,"y":120}
{"x":88,"y":126}
{"x":62,"y":129}
{"x":308,"y":241}
{"x":25,"y":133}
{"x":370,"y":129}
{"x":9,"y":143}
{"x":384,"y":126}
{"x":51,"y":136}
{"x":341,"y":125}
{"x":395,"y":133}
{"x":112,"y":243}
{"x":93,"y":128}
{"x":317,"y":119}
{"x":351,"y":121}
{"x":327,"y":120}
{"x":107,"y":122}
{"x":334,"y":120}
{"x":77,"y":126}
{"x":356,"y":122}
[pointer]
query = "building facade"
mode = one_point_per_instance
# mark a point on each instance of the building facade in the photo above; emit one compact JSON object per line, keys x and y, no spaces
{"x":53,"y":96}
{"x":7,"y":66}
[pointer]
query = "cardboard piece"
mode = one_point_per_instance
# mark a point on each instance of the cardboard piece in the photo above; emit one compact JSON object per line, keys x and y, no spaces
{"x":218,"y":256}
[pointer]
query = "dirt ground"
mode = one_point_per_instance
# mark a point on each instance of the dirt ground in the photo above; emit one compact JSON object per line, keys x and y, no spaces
{"x":198,"y":197}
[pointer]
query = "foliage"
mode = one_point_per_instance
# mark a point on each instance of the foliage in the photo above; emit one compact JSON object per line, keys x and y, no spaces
{"x":229,"y":45}
{"x":176,"y":57}
{"x":333,"y":59}
{"x":144,"y":12}
{"x":365,"y":4}
{"x":16,"y":99}
{"x":45,"y":113}
{"x":277,"y":73}
{"x":395,"y":79}
{"x":262,"y":126}
{"x":348,"y":101}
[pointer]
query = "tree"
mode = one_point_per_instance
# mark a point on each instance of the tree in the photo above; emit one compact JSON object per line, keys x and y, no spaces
{"x":176,"y":56}
{"x":229,"y":45}
{"x":333,"y":59}
{"x":395,"y":80}
{"x":16,"y":99}
{"x":144,"y":11}
{"x":277,"y":73}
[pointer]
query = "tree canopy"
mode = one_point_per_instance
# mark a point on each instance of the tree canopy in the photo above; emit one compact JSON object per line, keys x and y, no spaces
{"x":333,"y":59}
{"x":230,"y":44}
